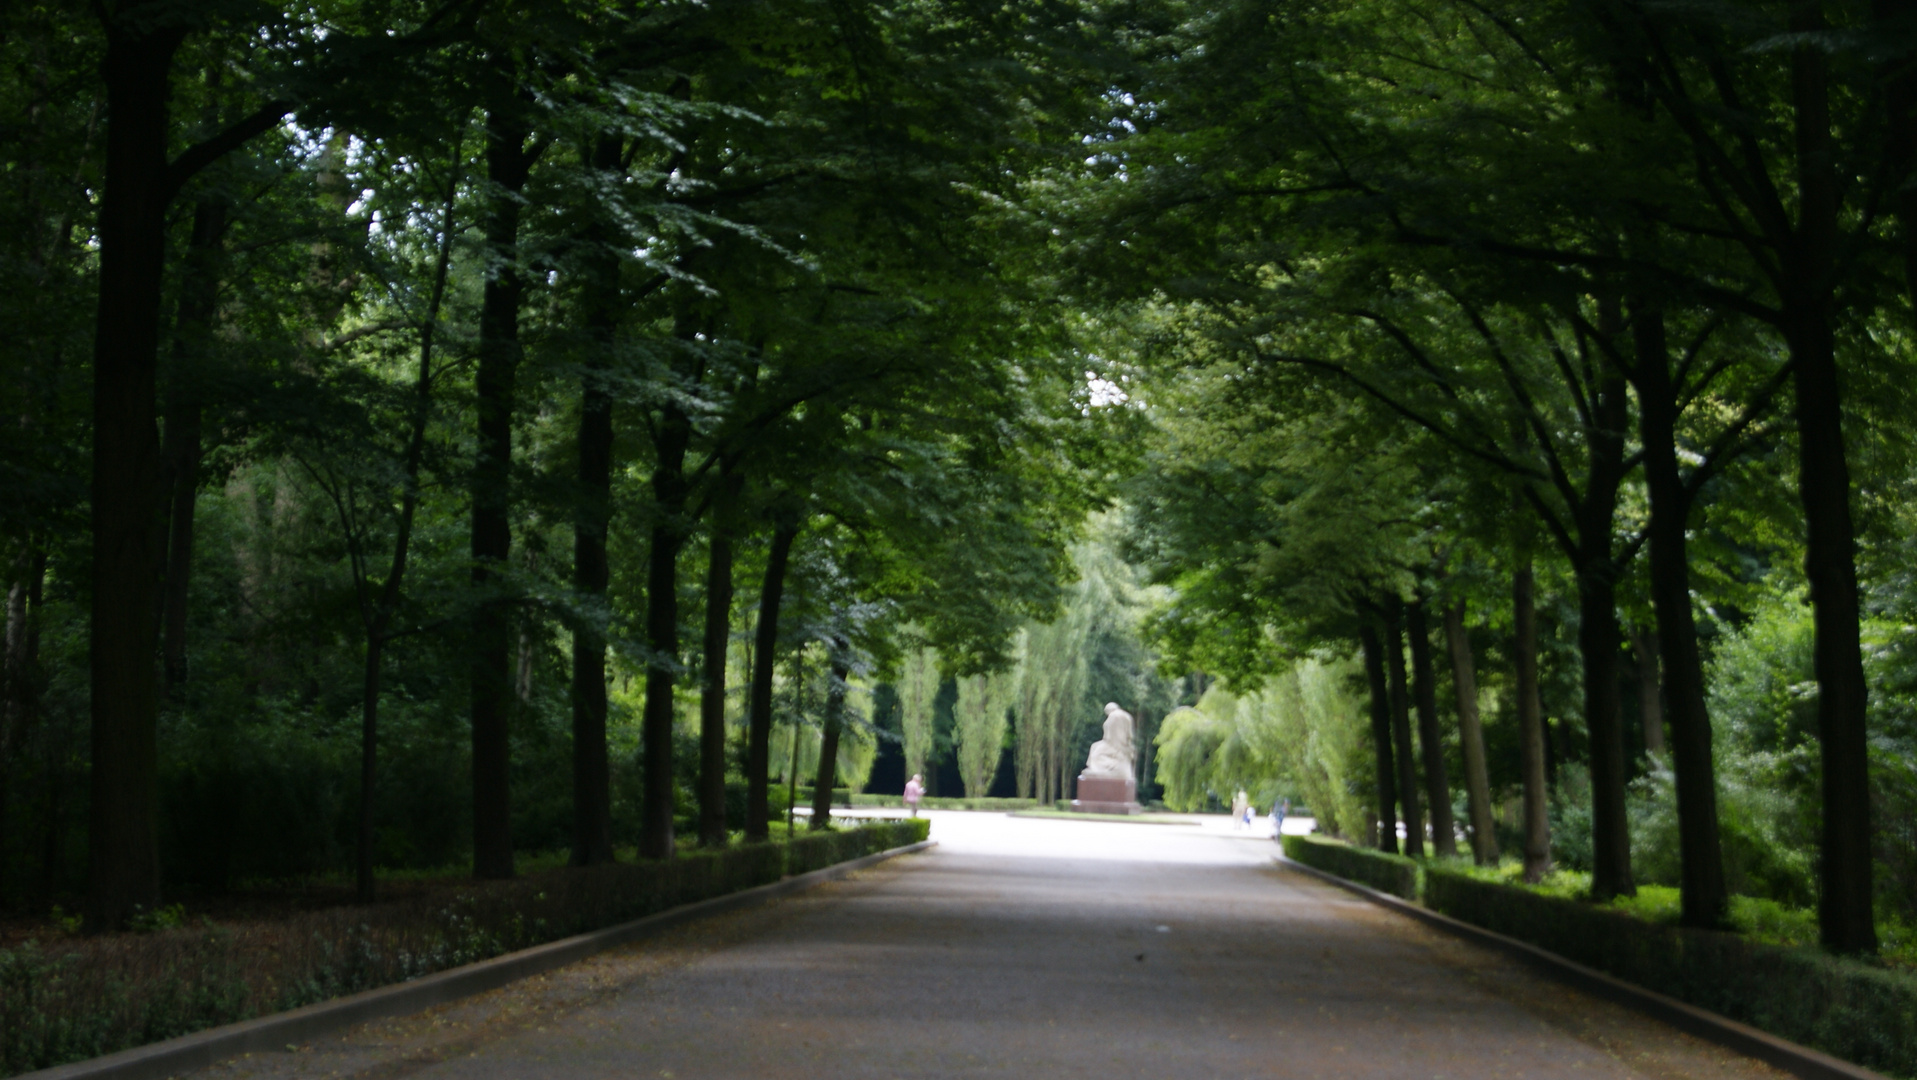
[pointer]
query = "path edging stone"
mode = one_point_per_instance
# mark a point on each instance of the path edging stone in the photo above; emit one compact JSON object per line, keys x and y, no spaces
{"x":1791,"y":1057}
{"x":187,"y":1053}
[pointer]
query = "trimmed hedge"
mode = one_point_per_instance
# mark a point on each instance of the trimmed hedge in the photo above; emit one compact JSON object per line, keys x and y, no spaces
{"x":73,"y":999}
{"x":898,"y":802}
{"x":829,"y":847}
{"x":1847,"y":1008}
{"x":1394,"y":874}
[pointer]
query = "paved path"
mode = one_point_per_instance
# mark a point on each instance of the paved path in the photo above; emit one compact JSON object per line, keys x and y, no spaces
{"x":1034,"y":949}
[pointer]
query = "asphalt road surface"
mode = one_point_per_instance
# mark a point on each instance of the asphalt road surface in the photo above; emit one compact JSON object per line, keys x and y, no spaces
{"x":1037,"y":949}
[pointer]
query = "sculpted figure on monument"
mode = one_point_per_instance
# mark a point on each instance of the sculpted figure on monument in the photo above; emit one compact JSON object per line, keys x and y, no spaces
{"x":1112,"y":756}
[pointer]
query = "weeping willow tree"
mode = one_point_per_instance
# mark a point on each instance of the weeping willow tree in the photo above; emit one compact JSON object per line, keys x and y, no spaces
{"x":858,"y":744}
{"x":1070,"y":667}
{"x":918,"y":688}
{"x":1188,"y":745}
{"x":1302,"y":734}
{"x":979,"y":717}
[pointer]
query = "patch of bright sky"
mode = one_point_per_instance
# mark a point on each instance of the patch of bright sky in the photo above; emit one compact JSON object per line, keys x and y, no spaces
{"x":1104,"y":393}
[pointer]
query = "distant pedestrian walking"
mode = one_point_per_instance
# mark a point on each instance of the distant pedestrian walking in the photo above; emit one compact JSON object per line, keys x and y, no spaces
{"x":914,"y":790}
{"x":1279,"y":810}
{"x":1239,"y":804}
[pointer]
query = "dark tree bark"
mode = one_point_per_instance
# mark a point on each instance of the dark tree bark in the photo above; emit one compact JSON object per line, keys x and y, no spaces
{"x":765,"y":653}
{"x":592,"y":518}
{"x":508,"y":165}
{"x":127,"y":495}
{"x":1599,"y":639}
{"x":1650,"y":689}
{"x":1799,"y":256}
{"x":1477,"y":777}
{"x":1401,"y":729}
{"x":712,"y":694}
{"x":17,"y":710}
{"x":1524,"y":653}
{"x":1845,"y":918}
{"x":669,"y":492}
{"x":1437,"y":785}
{"x":1705,"y":897}
{"x":21,"y":707}
{"x":364,"y":880}
{"x":199,"y":297}
{"x":1387,"y":813}
{"x":826,"y":775}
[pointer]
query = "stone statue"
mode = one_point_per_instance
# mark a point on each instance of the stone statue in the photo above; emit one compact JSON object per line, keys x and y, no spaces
{"x":1112,"y":756}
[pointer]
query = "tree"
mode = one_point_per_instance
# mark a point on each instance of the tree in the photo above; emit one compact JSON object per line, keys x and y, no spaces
{"x":983,"y":701}
{"x":1477,"y":784}
{"x":918,"y":685}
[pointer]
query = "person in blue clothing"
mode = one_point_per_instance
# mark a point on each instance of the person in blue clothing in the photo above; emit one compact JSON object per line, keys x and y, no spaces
{"x":1278,"y":811}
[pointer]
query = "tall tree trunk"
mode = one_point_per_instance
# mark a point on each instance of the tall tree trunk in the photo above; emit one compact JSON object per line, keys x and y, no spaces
{"x":20,"y":708}
{"x":127,"y":499}
{"x":669,"y":492}
{"x":1705,"y":898}
{"x":826,"y":775}
{"x":364,"y":879}
{"x":1845,"y":917}
{"x":1599,"y":639}
{"x":765,"y":653}
{"x":1437,"y":785}
{"x":508,"y":165}
{"x":1477,"y":777}
{"x":712,"y":695}
{"x":592,"y":519}
{"x":13,"y":710}
{"x":1650,"y":690}
{"x":1524,"y":656}
{"x":1401,"y":729}
{"x":1387,"y":813}
{"x":54,"y":826}
{"x":199,"y":298}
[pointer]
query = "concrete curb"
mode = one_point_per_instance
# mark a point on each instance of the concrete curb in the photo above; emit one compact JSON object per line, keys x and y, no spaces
{"x":156,"y":1061}
{"x":1779,"y":1053}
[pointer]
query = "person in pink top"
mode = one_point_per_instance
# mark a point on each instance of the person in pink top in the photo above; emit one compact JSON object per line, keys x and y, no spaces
{"x":914,"y":788}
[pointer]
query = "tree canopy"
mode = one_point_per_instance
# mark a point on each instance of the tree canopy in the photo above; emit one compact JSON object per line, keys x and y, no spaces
{"x":441,"y":432}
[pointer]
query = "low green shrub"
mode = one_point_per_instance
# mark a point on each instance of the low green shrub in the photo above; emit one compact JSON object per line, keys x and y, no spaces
{"x":829,"y":847}
{"x":73,"y":999}
{"x":1394,"y":874}
{"x":1854,"y":1010}
{"x":898,"y":801}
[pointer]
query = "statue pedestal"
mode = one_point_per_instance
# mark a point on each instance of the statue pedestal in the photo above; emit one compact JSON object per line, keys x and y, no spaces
{"x":1106,"y":795}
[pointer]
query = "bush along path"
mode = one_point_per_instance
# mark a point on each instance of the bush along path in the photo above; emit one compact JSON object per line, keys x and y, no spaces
{"x":1853,"y":1009}
{"x":72,"y":1000}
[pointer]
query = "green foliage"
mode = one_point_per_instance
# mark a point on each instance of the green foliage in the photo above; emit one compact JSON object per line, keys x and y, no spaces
{"x":1394,"y":874}
{"x":918,"y":688}
{"x":1091,"y":654}
{"x":1187,"y":742}
{"x":979,"y":727}
{"x":1302,"y":734}
{"x":817,"y":850}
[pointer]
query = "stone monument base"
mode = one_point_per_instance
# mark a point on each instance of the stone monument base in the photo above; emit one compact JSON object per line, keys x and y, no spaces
{"x":1106,"y":795}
